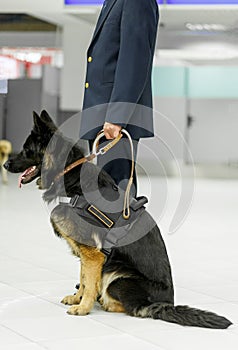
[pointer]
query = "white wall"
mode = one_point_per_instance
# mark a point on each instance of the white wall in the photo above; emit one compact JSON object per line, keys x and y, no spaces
{"x":213,"y":135}
{"x":76,"y":39}
{"x":168,"y":145}
{"x":50,"y":90}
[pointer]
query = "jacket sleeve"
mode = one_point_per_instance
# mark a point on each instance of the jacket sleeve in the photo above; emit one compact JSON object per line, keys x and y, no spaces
{"x":137,"y":39}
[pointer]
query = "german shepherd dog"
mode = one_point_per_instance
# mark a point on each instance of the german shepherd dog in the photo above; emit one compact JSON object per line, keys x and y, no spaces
{"x":135,"y":278}
{"x":5,"y":151}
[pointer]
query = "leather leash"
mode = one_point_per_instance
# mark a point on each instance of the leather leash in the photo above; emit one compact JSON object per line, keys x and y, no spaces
{"x":126,"y":205}
{"x":88,"y":158}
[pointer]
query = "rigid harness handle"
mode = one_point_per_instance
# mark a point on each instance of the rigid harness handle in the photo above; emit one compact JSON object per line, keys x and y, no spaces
{"x":103,"y":150}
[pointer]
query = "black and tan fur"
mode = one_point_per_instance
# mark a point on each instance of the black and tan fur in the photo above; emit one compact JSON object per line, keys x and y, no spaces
{"x":5,"y":151}
{"x":136,"y":278}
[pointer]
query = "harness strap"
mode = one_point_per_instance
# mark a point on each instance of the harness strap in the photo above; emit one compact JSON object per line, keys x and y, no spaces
{"x":107,"y":252}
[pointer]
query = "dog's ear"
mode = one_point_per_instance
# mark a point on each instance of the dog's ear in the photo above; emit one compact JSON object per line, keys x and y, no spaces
{"x":35,"y":116}
{"x":42,"y":126}
{"x":37,"y":122}
{"x":44,"y":116}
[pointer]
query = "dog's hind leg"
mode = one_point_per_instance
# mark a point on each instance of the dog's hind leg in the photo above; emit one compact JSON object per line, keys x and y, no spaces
{"x":128,"y":295}
{"x":92,"y":261}
{"x":111,"y":305}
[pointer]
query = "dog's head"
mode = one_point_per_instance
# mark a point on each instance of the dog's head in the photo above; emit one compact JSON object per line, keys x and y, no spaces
{"x":45,"y":154}
{"x":29,"y":161}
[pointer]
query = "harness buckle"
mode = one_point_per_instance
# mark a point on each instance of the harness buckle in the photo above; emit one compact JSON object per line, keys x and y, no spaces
{"x":101,"y":151}
{"x":74,"y":200}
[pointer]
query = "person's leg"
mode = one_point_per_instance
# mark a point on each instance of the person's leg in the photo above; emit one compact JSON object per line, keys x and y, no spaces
{"x":117,"y":162}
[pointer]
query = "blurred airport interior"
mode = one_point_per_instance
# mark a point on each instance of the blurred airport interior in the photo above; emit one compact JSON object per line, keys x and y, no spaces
{"x":188,"y":171}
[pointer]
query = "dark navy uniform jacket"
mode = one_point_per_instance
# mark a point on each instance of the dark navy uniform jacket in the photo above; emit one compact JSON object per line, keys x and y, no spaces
{"x":119,"y":65}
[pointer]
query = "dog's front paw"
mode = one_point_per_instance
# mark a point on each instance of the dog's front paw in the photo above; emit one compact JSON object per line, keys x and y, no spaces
{"x":71,"y":300}
{"x":78,"y":310}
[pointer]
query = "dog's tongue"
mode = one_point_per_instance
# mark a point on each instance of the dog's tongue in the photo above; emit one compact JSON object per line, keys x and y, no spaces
{"x":24,"y":174}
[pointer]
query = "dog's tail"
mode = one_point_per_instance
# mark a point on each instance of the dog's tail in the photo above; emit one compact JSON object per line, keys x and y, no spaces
{"x":183,"y":315}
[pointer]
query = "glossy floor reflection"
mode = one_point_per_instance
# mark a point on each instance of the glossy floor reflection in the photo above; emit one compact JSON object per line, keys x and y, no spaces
{"x":37,"y":270}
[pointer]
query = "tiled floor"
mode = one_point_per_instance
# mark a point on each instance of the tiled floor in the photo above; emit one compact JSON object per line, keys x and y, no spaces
{"x":37,"y":270}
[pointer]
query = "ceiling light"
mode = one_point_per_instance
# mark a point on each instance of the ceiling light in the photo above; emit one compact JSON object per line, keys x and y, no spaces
{"x":205,"y":26}
{"x":186,"y":55}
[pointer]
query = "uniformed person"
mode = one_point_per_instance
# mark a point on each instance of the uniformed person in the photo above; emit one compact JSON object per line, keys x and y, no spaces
{"x":118,"y":79}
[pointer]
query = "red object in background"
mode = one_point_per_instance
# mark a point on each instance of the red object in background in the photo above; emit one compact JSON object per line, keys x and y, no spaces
{"x":45,"y":60}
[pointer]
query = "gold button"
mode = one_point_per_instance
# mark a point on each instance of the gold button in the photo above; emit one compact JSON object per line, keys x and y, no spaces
{"x":90,"y":59}
{"x":87,"y":85}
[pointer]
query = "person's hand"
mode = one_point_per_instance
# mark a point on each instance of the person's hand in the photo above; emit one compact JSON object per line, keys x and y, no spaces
{"x":111,"y":130}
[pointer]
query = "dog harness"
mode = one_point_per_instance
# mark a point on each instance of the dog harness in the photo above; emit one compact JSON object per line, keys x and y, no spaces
{"x":95,"y":224}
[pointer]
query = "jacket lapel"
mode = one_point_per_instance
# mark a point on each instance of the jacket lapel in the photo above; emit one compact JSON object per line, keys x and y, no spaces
{"x":102,"y":19}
